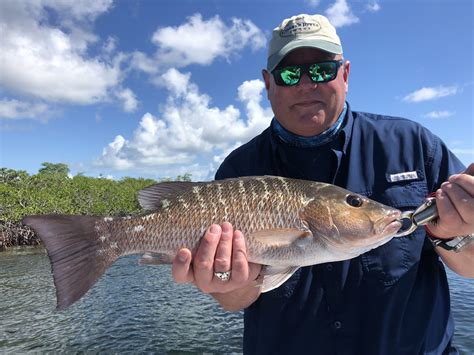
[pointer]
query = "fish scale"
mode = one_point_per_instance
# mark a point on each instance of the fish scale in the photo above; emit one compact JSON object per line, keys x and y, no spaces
{"x":287,"y":223}
{"x":269,"y":211}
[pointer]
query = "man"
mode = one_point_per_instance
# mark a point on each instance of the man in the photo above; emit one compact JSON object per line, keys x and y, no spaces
{"x":390,"y":300}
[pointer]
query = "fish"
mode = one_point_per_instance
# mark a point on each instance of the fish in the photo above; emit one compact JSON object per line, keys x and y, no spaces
{"x":287,"y":224}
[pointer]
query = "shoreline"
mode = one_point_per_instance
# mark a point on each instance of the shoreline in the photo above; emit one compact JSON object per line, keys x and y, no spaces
{"x":16,"y":234}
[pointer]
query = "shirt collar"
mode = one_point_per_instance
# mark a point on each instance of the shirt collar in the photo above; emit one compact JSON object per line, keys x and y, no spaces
{"x":309,"y":142}
{"x":343,"y":138}
{"x":346,"y":130}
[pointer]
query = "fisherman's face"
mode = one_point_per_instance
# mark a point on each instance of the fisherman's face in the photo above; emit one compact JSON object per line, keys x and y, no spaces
{"x":308,"y":108}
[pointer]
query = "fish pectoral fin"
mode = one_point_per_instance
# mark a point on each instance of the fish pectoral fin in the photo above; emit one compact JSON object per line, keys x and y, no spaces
{"x":155,"y":259}
{"x":275,"y":276}
{"x":282,"y":236}
{"x":320,"y":223}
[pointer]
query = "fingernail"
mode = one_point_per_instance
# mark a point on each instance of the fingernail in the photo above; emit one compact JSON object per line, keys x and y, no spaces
{"x":225,"y":228}
{"x":453,"y":177}
{"x":183,"y":257}
{"x":214,"y":229}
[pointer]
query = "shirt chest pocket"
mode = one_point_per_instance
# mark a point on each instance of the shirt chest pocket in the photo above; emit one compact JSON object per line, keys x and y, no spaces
{"x":389,"y":262}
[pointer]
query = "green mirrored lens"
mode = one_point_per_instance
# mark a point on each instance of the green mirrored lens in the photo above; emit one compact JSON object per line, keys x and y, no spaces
{"x":290,"y":75}
{"x":322,"y":72}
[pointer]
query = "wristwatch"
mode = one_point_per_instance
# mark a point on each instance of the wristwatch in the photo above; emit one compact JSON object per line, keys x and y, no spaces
{"x":455,"y":244}
{"x":427,"y":214}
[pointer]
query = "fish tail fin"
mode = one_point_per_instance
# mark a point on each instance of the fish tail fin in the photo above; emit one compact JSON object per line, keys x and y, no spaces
{"x":76,"y":254}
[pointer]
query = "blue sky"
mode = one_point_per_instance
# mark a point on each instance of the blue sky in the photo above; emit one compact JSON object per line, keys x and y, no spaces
{"x":161,"y":88}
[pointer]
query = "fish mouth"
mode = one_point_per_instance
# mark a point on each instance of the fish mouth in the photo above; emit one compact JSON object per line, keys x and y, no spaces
{"x":389,"y":224}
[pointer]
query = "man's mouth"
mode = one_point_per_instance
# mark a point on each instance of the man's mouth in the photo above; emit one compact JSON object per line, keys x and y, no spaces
{"x":308,"y":103}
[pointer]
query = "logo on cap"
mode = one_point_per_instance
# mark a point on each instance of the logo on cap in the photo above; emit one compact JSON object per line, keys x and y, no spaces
{"x":299,"y":26}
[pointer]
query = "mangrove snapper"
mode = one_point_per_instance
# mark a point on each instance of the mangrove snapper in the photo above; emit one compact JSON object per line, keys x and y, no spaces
{"x":287,"y":224}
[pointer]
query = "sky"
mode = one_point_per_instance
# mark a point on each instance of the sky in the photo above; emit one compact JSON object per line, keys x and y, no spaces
{"x":162,"y":88}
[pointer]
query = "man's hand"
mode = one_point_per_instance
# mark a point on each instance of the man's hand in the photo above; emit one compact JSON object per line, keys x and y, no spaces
{"x":455,"y":203}
{"x":221,"y":249}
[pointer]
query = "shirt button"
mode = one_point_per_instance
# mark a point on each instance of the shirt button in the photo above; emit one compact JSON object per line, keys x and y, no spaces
{"x":329,"y":267}
{"x":337,"y":325}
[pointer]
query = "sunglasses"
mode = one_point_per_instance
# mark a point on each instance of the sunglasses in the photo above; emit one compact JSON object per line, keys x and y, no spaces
{"x":320,"y":72}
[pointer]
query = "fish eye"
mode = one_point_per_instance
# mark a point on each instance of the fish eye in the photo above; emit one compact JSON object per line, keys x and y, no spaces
{"x":354,"y":200}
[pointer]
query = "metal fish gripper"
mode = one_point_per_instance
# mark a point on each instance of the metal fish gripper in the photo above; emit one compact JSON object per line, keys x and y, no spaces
{"x":428,"y":213}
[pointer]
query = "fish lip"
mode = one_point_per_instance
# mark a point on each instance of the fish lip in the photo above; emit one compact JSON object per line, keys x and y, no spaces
{"x":392,"y":228}
{"x":389,"y":224}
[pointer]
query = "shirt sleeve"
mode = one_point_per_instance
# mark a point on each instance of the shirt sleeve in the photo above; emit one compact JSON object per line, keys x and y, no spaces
{"x":440,"y":162}
{"x":226,"y":171}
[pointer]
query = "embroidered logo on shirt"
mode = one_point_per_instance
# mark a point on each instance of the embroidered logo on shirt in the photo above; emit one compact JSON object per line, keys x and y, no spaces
{"x":408,"y":175}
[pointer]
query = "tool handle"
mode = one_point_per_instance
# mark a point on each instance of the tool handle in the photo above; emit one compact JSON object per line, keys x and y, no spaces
{"x":426,"y":213}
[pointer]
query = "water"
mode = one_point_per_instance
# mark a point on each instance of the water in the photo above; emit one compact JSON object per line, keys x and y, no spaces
{"x":137,"y":309}
{"x":132,"y":309}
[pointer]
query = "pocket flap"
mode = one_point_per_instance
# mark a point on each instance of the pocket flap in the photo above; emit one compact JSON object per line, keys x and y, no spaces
{"x":408,"y":195}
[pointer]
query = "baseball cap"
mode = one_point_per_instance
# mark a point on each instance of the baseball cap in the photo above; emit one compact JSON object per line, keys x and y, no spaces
{"x":302,"y":31}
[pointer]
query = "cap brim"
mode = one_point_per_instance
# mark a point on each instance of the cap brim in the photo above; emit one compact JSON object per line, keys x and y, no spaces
{"x":325,"y":46}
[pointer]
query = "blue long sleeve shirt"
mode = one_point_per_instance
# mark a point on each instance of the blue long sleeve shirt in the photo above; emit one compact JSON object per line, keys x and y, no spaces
{"x":391,"y":300}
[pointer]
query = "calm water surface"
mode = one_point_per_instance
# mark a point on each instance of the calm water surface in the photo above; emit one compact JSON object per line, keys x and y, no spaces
{"x":138,"y":309}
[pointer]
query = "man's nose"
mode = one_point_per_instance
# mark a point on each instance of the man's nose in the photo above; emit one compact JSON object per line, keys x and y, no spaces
{"x":306,"y":80}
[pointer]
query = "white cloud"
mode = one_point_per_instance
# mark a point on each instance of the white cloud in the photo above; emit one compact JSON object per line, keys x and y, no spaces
{"x":13,"y":109}
{"x":199,"y":41}
{"x":190,"y":132}
{"x":79,"y":9}
{"x":129,"y":100}
{"x":175,"y":81}
{"x":50,"y":62}
{"x":110,"y":45}
{"x":439,"y":114}
{"x":107,"y":177}
{"x":114,"y":154}
{"x":431,"y":93}
{"x":373,"y":6}
{"x":340,"y":14}
{"x":461,"y":151}
{"x":250,"y":93}
{"x":141,"y":61}
{"x":313,"y":3}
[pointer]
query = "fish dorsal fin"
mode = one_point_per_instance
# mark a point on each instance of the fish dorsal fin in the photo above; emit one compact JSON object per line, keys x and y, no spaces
{"x":282,"y":236}
{"x":275,"y":276}
{"x":150,"y":197}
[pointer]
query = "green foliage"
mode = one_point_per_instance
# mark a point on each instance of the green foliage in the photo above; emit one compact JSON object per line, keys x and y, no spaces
{"x":185,"y":177}
{"x":53,"y":191}
{"x":59,"y":169}
{"x":12,"y":176}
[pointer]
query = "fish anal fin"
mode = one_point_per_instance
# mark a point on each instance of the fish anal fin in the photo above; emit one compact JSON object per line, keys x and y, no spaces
{"x":155,"y":259}
{"x":274,"y":277}
{"x":281,"y":236}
